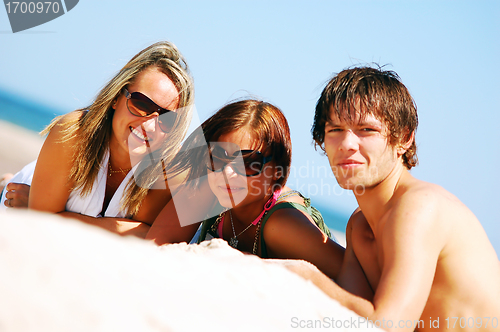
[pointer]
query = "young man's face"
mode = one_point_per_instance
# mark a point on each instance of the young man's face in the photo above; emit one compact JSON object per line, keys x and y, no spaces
{"x":359,"y":152}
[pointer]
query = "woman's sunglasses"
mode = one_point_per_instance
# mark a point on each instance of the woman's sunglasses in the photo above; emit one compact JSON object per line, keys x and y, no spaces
{"x":140,"y":105}
{"x":244,"y":162}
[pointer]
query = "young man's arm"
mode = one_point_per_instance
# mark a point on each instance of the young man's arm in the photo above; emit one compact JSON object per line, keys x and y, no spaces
{"x":411,"y":243}
{"x":352,"y":277}
{"x":412,"y":238}
{"x":308,"y":271}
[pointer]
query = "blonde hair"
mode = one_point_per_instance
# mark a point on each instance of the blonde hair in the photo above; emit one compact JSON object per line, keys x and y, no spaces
{"x":93,"y":129}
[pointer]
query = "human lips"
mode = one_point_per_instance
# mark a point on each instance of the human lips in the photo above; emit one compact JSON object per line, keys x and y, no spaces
{"x":140,"y":134}
{"x":230,"y":195}
{"x":231,"y":188}
{"x":349,"y":163}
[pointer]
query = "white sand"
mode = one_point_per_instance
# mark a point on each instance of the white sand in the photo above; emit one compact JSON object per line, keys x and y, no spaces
{"x":19,"y":147}
{"x":63,"y":275}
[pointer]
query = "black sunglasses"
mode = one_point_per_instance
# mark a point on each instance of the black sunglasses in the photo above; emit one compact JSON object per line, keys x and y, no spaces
{"x":244,"y":162}
{"x":140,"y":105}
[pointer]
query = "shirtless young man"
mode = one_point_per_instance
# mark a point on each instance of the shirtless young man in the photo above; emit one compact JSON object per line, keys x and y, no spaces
{"x":424,"y":256}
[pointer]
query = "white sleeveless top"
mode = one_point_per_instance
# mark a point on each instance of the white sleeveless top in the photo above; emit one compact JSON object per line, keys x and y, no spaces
{"x":91,"y":204}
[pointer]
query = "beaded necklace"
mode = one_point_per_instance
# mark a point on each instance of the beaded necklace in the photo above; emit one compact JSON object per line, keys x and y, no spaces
{"x":233,"y":242}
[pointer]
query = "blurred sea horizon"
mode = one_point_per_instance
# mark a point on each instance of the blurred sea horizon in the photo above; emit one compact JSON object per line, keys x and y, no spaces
{"x":24,"y":112}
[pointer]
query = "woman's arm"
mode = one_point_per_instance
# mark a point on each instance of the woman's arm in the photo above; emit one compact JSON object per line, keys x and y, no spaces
{"x":19,"y":194}
{"x":192,"y":204}
{"x":51,"y":186}
{"x":120,"y":226}
{"x":289,"y":234}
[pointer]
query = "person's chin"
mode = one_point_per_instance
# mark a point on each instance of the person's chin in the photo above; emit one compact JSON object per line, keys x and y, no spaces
{"x":141,"y":150}
{"x":230,"y":199}
{"x":346,"y":184}
{"x":137,"y":153}
{"x":140,"y":146}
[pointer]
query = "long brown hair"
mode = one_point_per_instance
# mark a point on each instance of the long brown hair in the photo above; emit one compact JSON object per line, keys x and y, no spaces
{"x":93,"y":129}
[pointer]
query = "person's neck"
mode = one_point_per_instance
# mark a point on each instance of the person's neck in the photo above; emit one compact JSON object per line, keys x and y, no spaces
{"x":118,"y":158}
{"x":374,"y":201}
{"x":247,"y":213}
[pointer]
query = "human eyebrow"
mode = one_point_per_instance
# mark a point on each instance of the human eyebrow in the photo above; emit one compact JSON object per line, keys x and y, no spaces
{"x":331,"y":123}
{"x":368,"y":123}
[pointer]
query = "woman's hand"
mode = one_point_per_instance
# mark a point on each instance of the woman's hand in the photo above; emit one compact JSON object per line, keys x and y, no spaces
{"x":5,"y":179}
{"x":17,"y":195}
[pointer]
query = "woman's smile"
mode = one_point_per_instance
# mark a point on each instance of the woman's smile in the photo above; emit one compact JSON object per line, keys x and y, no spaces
{"x":141,"y":134}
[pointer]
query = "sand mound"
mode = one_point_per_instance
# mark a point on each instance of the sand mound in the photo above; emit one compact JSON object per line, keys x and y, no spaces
{"x":63,"y":275}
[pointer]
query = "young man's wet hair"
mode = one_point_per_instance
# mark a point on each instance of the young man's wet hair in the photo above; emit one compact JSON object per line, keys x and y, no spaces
{"x":356,"y":92}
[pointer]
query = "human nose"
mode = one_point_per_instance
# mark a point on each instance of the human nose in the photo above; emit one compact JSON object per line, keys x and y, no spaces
{"x":229,"y":171}
{"x":350,"y":141}
{"x":150,"y":124}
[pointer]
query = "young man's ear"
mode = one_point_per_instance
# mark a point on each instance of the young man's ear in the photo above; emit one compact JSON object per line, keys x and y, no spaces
{"x":403,"y":146}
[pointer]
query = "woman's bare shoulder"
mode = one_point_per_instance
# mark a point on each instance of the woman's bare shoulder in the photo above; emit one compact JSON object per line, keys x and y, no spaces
{"x":291,"y":196}
{"x":70,"y":117}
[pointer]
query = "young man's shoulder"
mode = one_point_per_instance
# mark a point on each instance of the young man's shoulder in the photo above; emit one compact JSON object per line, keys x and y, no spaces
{"x":423,"y":212}
{"x":414,"y":196}
{"x":467,"y":265}
{"x":418,"y":214}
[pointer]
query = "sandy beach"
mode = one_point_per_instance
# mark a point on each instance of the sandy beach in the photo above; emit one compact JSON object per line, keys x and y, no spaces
{"x":63,"y":275}
{"x":19,"y":147}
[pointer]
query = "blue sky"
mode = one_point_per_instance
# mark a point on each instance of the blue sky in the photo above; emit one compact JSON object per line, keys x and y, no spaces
{"x":446,"y":53}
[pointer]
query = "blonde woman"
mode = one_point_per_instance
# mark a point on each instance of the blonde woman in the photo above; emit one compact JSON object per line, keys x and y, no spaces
{"x":99,"y":163}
